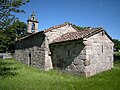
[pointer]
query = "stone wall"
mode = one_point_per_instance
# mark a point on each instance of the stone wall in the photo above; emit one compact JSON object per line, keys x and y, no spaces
{"x":50,"y":36}
{"x":69,"y":56}
{"x":31,"y":50}
{"x":55,"y":33}
{"x":99,"y":52}
{"x":30,"y":26}
{"x":84,"y":57}
{"x":37,"y":49}
{"x":5,"y":55}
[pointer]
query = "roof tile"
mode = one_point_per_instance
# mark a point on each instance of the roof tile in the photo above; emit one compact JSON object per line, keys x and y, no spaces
{"x":55,"y":27}
{"x":76,"y":35}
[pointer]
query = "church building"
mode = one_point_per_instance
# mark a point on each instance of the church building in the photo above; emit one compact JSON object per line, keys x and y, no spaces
{"x":81,"y":52}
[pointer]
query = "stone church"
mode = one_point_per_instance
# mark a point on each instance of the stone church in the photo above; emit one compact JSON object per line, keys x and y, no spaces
{"x":82,"y":52}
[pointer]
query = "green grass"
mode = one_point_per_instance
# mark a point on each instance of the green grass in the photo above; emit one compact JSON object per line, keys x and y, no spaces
{"x":17,"y":76}
{"x":117,"y":54}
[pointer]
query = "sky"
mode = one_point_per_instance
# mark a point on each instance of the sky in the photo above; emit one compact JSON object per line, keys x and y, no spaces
{"x":93,"y":13}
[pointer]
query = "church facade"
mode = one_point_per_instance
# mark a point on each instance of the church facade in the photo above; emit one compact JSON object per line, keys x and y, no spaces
{"x":82,"y":52}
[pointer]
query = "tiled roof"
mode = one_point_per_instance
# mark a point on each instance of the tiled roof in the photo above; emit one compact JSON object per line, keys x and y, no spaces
{"x":68,"y":36}
{"x":47,"y":30}
{"x":57,"y":26}
{"x":77,"y":35}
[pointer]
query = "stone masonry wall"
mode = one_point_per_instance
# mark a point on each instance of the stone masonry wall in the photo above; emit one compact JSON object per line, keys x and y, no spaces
{"x":50,"y":36}
{"x":53,"y":34}
{"x":84,"y":57}
{"x":99,"y":54}
{"x":31,"y":50}
{"x":69,"y":56}
{"x":30,"y":27}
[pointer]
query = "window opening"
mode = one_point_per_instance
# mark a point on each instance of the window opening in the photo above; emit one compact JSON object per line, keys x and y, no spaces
{"x":29,"y":59}
{"x":68,"y":52}
{"x":33,"y":28}
{"x":102,"y":48}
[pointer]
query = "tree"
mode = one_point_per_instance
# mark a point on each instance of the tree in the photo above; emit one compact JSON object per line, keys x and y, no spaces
{"x":81,"y":28}
{"x":2,"y":39}
{"x":7,"y":10}
{"x":9,"y":29}
{"x":20,"y":29}
{"x":10,"y":34}
{"x":116,"y":44}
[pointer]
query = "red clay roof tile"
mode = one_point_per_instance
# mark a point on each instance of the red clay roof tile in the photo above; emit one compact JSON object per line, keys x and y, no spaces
{"x":55,"y":27}
{"x":76,"y":35}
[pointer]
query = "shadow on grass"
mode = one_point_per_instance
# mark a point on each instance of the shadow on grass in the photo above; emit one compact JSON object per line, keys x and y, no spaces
{"x":7,"y":69}
{"x":116,"y":61}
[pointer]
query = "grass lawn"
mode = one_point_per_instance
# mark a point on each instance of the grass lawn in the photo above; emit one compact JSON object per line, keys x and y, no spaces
{"x":17,"y":76}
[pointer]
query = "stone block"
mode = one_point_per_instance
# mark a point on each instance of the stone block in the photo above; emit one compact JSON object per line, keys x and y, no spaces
{"x":83,"y":52}
{"x":86,"y":62}
{"x":72,"y":67}
{"x":82,"y":57}
{"x":87,"y":74}
{"x":7,"y":55}
{"x":83,"y":74}
{"x":80,"y":68}
{"x":77,"y":61}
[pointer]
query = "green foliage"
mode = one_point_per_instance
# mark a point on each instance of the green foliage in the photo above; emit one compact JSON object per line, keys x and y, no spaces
{"x":7,"y":40}
{"x":8,"y":36}
{"x":20,"y":29}
{"x":80,"y":28}
{"x":116,"y":44}
{"x":117,"y":56}
{"x":9,"y":29}
{"x":117,"y":53}
{"x":17,"y":76}
{"x":7,"y":10}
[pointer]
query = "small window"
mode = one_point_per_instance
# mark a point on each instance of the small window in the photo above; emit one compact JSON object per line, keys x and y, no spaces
{"x":102,"y":48}
{"x":68,"y":53}
{"x":103,"y":33}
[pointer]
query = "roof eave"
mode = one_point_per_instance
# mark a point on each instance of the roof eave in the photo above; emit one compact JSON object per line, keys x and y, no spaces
{"x":29,"y":36}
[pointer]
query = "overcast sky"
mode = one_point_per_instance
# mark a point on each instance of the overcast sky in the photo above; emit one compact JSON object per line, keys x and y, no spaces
{"x":93,"y":13}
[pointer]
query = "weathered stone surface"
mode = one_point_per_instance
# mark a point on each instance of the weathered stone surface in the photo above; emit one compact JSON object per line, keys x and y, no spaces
{"x":69,"y":58}
{"x":53,"y":34}
{"x":99,"y":53}
{"x":80,"y":68}
{"x":32,"y":24}
{"x":86,"y":62}
{"x":86,"y":56}
{"x":5,"y":55}
{"x":31,"y":53}
{"x":95,"y":57}
{"x":78,"y":61}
